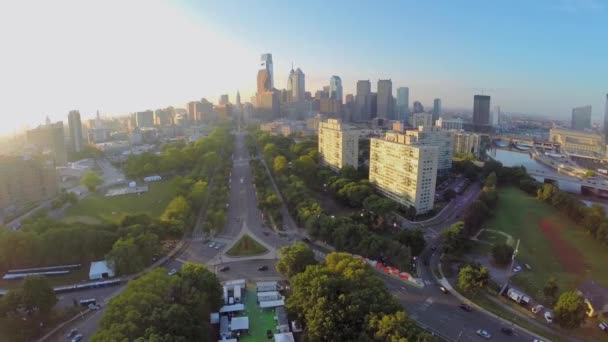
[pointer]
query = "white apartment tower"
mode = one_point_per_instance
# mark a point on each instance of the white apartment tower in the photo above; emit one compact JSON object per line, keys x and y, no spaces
{"x":338,"y":145}
{"x":466,"y":142}
{"x":404,"y":173}
{"x":434,"y":136}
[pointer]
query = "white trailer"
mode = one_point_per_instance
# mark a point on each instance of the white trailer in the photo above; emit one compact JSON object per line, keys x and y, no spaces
{"x":267,"y":286}
{"x":268,"y":296}
{"x":237,"y":294}
{"x":518,"y":296}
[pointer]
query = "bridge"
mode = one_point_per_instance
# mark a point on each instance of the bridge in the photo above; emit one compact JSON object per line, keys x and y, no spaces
{"x":514,"y":139}
{"x":599,"y":185}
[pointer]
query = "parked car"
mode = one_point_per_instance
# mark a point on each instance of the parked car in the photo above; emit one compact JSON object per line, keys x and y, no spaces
{"x":307,"y":240}
{"x":443,"y":289}
{"x":548,"y":317}
{"x":537,"y":309}
{"x":484,"y":334}
{"x":603,"y":326}
{"x":172,"y":272}
{"x":507,"y":331}
{"x":211,"y":245}
{"x":516,"y":269}
{"x":225,"y":269}
{"x":77,"y":338}
{"x":263,"y":268}
{"x":465,"y":307}
{"x":72,"y":333}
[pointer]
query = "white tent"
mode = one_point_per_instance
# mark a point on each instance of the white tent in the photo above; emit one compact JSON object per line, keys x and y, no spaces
{"x":100,"y":270}
{"x":272,"y":304}
{"x":239,"y":323}
{"x":232,"y":308}
{"x":284,"y":337}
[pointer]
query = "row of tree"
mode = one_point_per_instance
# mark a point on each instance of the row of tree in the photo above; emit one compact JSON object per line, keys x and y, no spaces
{"x":343,"y":300}
{"x":268,"y":201}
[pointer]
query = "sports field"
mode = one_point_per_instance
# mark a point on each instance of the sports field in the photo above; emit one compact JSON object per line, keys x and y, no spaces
{"x":550,"y":243}
{"x":97,"y":208}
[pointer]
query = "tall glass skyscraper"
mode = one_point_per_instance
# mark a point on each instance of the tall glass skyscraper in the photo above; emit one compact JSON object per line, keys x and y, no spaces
{"x":436,"y":110}
{"x":403,"y":103}
{"x":335,"y":88}
{"x":267,"y":64}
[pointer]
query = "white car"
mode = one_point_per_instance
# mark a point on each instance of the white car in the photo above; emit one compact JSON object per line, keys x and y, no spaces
{"x":211,"y":245}
{"x":484,"y":334}
{"x":548,"y":317}
{"x":172,"y":272}
{"x":517,"y":269}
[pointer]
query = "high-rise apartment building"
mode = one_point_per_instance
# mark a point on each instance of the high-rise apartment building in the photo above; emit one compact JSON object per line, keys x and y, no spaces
{"x":26,"y":181}
{"x":335,"y":88}
{"x":467,"y":142}
{"x":224,"y":100}
{"x":434,"y":136}
{"x":338,"y":145}
{"x":268,"y":66}
{"x":296,"y":85}
{"x":164,"y":117}
{"x":421,"y":119}
{"x":403,"y":104}
{"x":363,"y":101}
{"x":581,"y":118}
{"x":50,"y":138}
{"x":436,"y":109}
{"x":606,"y":120}
{"x":454,"y":124}
{"x":404,"y":173}
{"x":75,"y":126}
{"x":481,"y":111}
{"x":384,"y":102}
{"x":144,"y":119}
{"x":417,"y":107}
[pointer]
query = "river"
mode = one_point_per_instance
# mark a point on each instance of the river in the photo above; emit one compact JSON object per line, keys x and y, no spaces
{"x":514,"y":158}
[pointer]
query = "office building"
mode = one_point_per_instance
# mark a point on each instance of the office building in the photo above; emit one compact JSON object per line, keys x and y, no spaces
{"x":296,"y":85}
{"x":606,"y":120}
{"x":454,"y":124}
{"x":481,"y":111}
{"x":224,"y":100}
{"x":338,"y":145}
{"x":421,"y":119}
{"x":144,"y":119}
{"x":49,"y":138}
{"x":331,"y":107}
{"x":363,"y":101}
{"x":581,"y":118}
{"x":267,"y":65}
{"x":404,"y":173}
{"x":417,"y":107}
{"x":384,"y":102}
{"x":434,"y":136}
{"x":577,"y":142}
{"x":164,"y":117}
{"x":26,"y":181}
{"x":496,"y":116}
{"x":199,"y":111}
{"x":335,"y":88}
{"x":436,"y":109}
{"x":263,"y":81}
{"x":75,"y":127}
{"x":238,"y":100}
{"x":467,"y":142}
{"x":403,"y":104}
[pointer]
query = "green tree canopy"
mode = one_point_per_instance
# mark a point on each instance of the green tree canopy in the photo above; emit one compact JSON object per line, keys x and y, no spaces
{"x":502,"y":252}
{"x":91,"y":180}
{"x":279,"y":165}
{"x":551,"y":291}
{"x":569,"y":312}
{"x":294,"y":259}
{"x":472,"y":278}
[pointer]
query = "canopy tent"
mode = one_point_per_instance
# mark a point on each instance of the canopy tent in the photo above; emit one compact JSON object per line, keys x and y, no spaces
{"x":272,"y":304}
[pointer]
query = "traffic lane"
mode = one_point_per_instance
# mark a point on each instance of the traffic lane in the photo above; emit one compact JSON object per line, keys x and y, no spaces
{"x":87,"y":326}
{"x":67,"y":299}
{"x":249,"y":269}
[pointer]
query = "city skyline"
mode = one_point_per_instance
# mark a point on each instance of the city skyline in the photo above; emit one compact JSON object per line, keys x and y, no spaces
{"x":134,"y":66}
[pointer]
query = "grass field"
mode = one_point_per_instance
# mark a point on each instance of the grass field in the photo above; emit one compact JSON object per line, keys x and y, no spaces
{"x":260,"y":320}
{"x":246,"y":246}
{"x":97,"y":208}
{"x":551,"y":243}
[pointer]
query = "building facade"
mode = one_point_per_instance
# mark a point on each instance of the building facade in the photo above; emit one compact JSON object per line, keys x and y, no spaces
{"x":573,"y":141}
{"x":421,"y":119}
{"x":75,"y":126}
{"x":338,"y":145}
{"x":581,"y":118}
{"x":417,"y":107}
{"x":144,"y":119}
{"x":363,"y":101}
{"x":481,"y":111}
{"x":434,"y":136}
{"x":456,"y":124}
{"x":384,"y":101}
{"x":224,"y":100}
{"x":25,"y":181}
{"x":335,"y":88}
{"x":403,"y":104}
{"x":50,"y":138}
{"x":436,"y":110}
{"x":267,"y":65}
{"x":467,"y":142}
{"x":404,"y":173}
{"x":296,"y":85}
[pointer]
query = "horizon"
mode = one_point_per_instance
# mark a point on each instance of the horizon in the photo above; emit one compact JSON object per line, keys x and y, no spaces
{"x":71,"y":57}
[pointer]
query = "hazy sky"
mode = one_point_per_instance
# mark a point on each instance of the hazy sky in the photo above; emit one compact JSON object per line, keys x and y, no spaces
{"x":533,"y":56}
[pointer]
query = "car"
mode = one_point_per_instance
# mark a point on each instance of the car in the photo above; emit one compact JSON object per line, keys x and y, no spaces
{"x":443,"y":289}
{"x":269,"y":334}
{"x":484,"y":334}
{"x":72,"y":333}
{"x":225,"y":269}
{"x":517,"y":269}
{"x":507,"y":331}
{"x":548,"y":317}
{"x":434,"y":248}
{"x":537,"y":309}
{"x":603,"y":326}
{"x":172,"y":272}
{"x":307,"y":240}
{"x":77,"y":338}
{"x":538,"y":340}
{"x":465,"y":307}
{"x":217,"y":246}
{"x":263,"y":268}
{"x":211,"y":245}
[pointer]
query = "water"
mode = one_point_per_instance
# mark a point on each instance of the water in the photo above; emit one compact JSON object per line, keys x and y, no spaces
{"x":513,"y":158}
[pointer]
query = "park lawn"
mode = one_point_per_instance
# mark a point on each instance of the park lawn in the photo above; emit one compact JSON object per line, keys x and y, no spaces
{"x":491,"y":237}
{"x":550,"y":243}
{"x":97,"y":208}
{"x":246,"y":246}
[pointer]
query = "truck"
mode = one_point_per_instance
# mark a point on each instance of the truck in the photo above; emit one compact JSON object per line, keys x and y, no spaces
{"x":518,"y":297}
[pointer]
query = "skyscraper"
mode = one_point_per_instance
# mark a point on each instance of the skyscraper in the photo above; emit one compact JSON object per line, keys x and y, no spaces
{"x":496,"y":116}
{"x":581,"y":118}
{"x":224,"y":100}
{"x":418,"y":107}
{"x":363,"y":101}
{"x":144,"y":119}
{"x":264,"y":81}
{"x":606,"y":120}
{"x":238,"y":99}
{"x":384,"y":100}
{"x":267,"y":65}
{"x":338,"y":145}
{"x":481,"y":111}
{"x":335,"y":88}
{"x":75,"y":127}
{"x":296,"y":85}
{"x":403,"y":104}
{"x":436,"y":110}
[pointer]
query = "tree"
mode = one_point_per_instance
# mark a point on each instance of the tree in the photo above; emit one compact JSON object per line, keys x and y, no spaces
{"x":125,"y":257}
{"x":490,"y":181}
{"x":294,"y":259}
{"x":551,"y":290}
{"x":569,"y":312}
{"x":91,"y":180}
{"x":472,"y":278}
{"x":177,"y":209}
{"x":414,"y":239}
{"x":410,"y":213}
{"x":453,"y":239}
{"x":396,"y":327}
{"x":279,"y":165}
{"x":198,"y":192}
{"x":502,"y":253}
